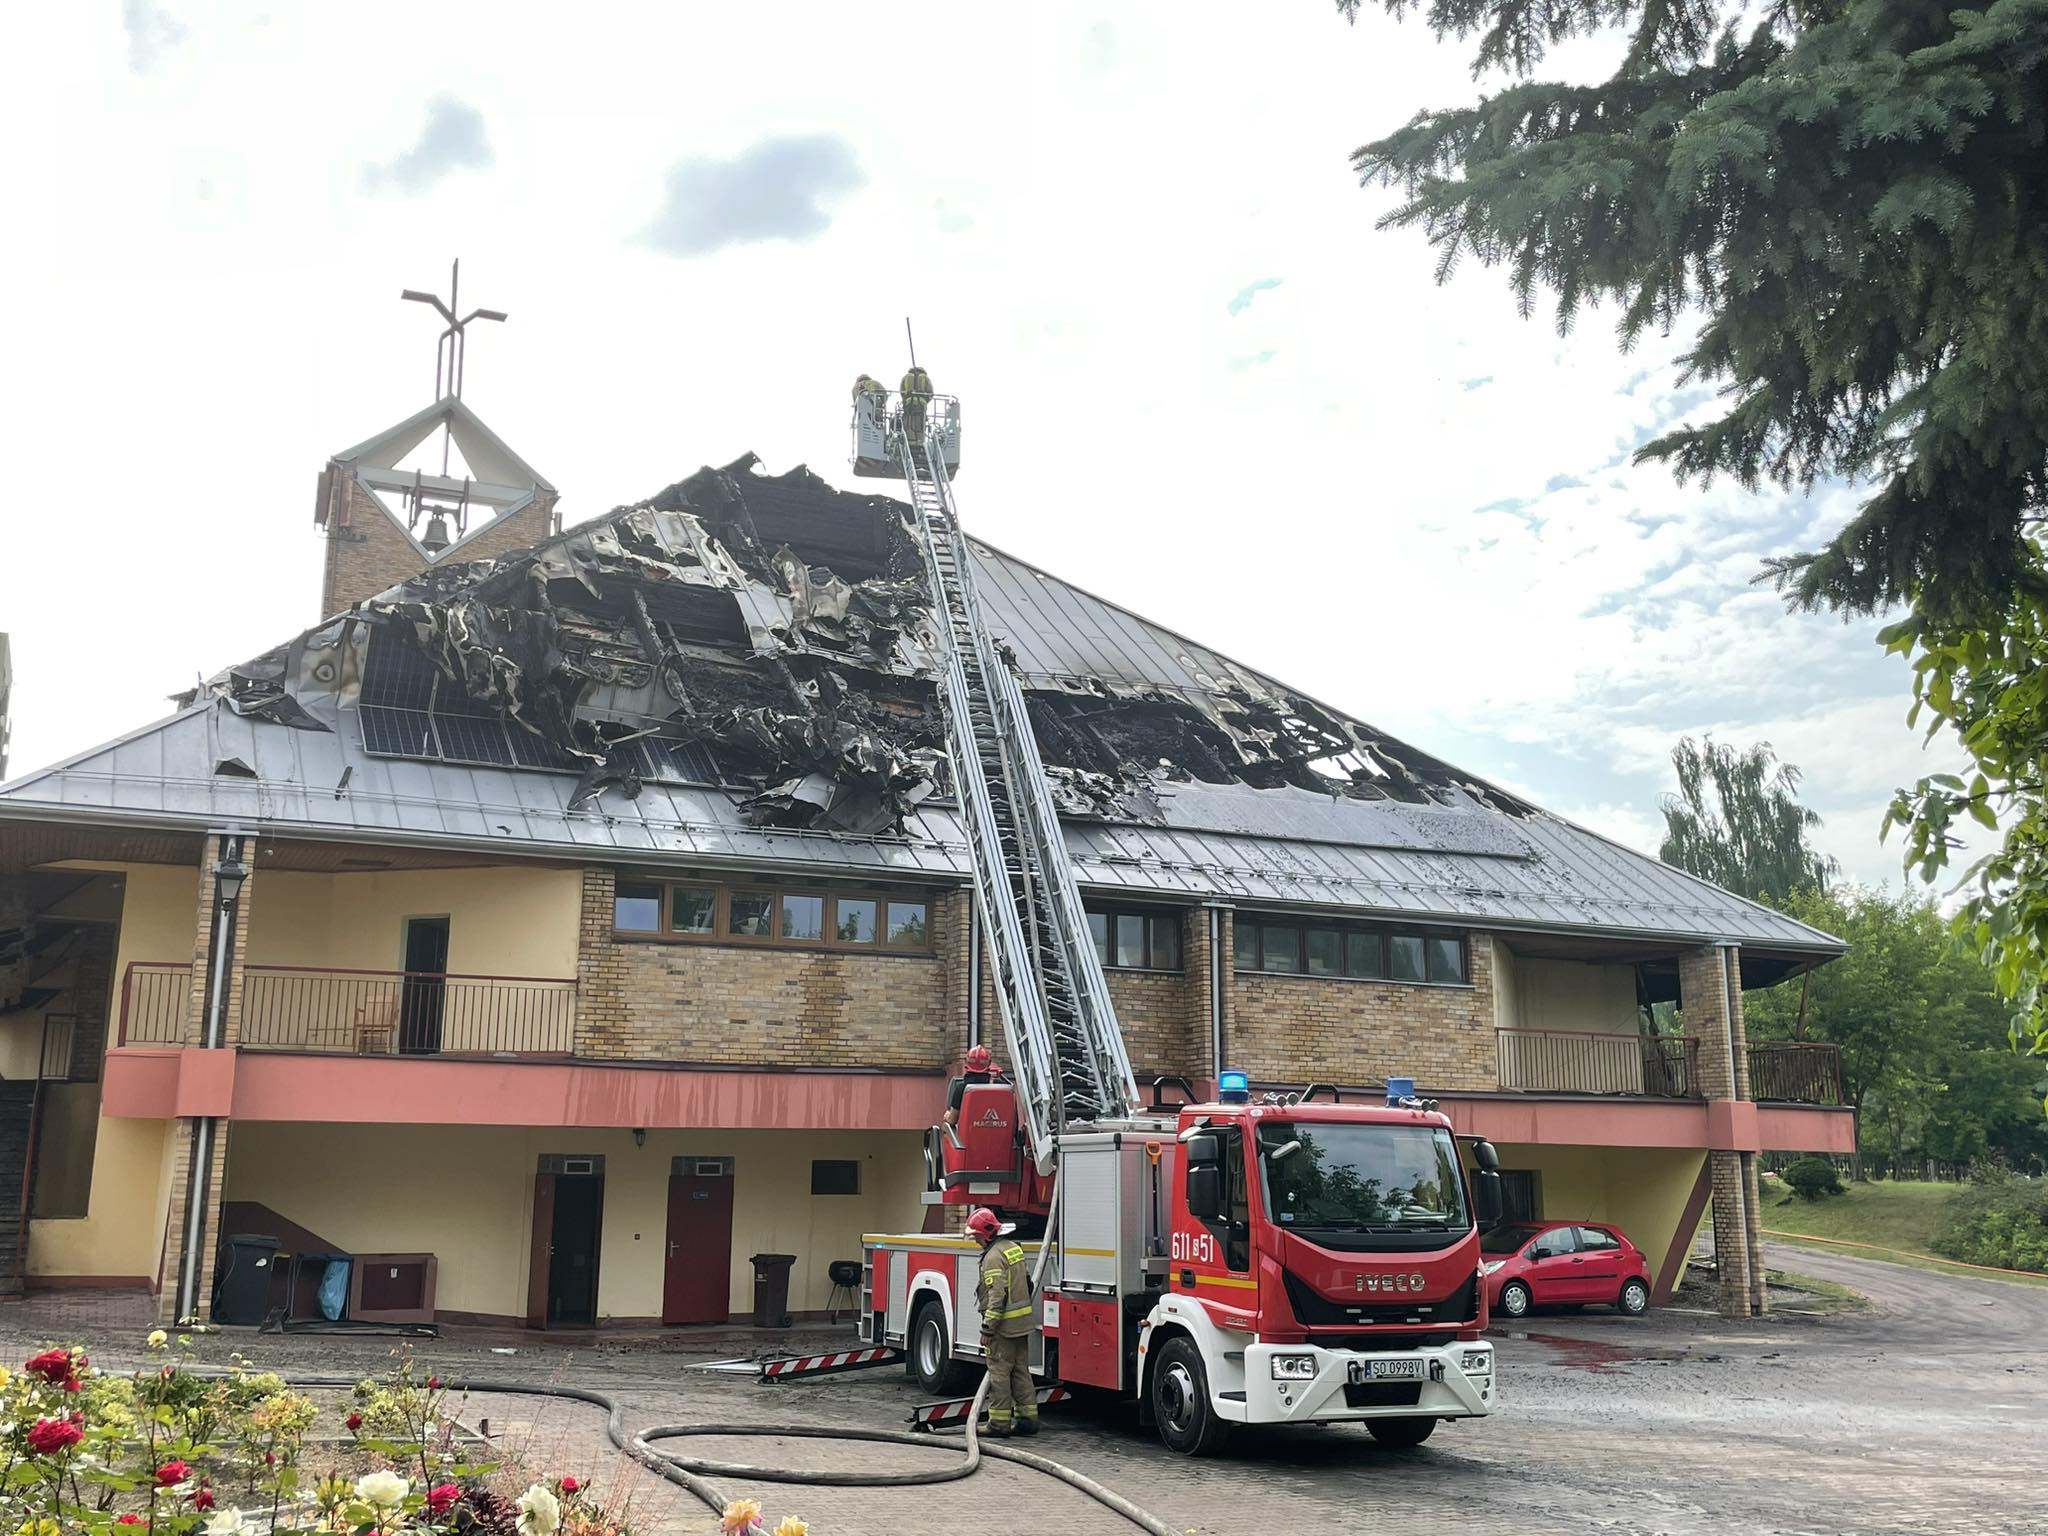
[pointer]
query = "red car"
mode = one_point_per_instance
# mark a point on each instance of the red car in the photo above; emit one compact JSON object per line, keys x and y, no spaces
{"x":1563,"y":1263}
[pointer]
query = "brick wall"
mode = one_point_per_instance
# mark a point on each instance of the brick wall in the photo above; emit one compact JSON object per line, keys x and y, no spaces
{"x":742,"y":1005}
{"x":370,"y":551}
{"x":1301,"y":1029}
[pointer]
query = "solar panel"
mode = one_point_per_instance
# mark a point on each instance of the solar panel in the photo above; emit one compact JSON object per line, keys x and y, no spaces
{"x":682,"y":762}
{"x":396,"y":674}
{"x":470,"y":739}
{"x":532,"y":751}
{"x":391,"y":732}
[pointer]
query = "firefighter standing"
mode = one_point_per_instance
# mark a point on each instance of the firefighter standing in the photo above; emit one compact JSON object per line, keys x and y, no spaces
{"x":917,"y":394}
{"x":1003,"y":1293}
{"x":874,"y":394}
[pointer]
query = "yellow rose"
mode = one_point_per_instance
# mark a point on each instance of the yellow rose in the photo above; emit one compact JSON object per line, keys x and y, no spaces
{"x":791,"y":1526}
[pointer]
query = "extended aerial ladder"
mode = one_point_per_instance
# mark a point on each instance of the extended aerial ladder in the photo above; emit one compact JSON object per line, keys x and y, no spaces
{"x":1066,"y":1048}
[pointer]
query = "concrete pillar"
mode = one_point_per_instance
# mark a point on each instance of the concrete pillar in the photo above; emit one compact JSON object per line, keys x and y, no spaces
{"x":1710,"y":1003}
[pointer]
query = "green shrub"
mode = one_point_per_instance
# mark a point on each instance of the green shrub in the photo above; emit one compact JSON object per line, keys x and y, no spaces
{"x":1812,"y":1177}
{"x":2002,"y":1222}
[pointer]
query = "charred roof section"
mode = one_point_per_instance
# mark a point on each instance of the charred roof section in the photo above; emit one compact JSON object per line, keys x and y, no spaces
{"x":772,"y":635}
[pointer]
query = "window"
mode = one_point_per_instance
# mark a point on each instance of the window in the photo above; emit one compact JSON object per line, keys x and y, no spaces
{"x":835,"y":1176}
{"x":693,"y":909}
{"x":1356,"y":951}
{"x":1404,"y":956}
{"x":1446,"y":958}
{"x":1325,"y":952}
{"x":636,"y":908}
{"x":1592,"y":1239}
{"x":1136,"y":940}
{"x":803,"y":917}
{"x":706,"y":912}
{"x":906,"y":924}
{"x":1554,"y":1243}
{"x":1521,"y":1198}
{"x":753,"y":915}
{"x":855,"y":920}
{"x":1280,"y":948}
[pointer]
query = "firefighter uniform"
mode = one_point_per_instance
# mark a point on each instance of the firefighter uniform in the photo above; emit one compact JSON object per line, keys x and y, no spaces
{"x":875,"y":392}
{"x":1004,"y":1295}
{"x":917,"y":394}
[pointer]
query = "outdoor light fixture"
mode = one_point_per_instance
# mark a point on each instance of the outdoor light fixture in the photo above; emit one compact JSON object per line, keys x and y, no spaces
{"x":228,"y":878}
{"x":639,"y":1135}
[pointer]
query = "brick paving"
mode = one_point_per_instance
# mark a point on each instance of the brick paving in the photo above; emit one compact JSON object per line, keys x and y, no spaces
{"x":1926,"y":1414}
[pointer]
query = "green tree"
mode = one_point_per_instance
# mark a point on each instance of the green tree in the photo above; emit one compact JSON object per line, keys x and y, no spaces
{"x":1737,"y":821}
{"x":1849,"y":196}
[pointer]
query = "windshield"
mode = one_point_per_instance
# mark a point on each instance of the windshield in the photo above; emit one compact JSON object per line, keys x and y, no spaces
{"x":1506,"y":1239}
{"x":1363,"y":1178}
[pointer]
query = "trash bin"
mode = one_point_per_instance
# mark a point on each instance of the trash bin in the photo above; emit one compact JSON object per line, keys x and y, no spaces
{"x":242,"y":1292}
{"x":771,"y":1289}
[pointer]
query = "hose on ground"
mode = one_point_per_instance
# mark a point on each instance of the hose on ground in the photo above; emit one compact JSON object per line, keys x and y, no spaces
{"x":688,"y":1472}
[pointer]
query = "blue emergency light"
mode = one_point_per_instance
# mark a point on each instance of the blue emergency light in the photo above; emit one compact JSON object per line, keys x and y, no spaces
{"x":1399,"y":1088}
{"x":1233,"y":1087}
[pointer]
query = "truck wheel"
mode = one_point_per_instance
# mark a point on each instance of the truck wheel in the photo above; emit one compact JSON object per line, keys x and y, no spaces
{"x":1180,"y":1401}
{"x":1514,"y":1299}
{"x":1400,"y":1433}
{"x":929,"y":1357}
{"x":1634,"y":1299}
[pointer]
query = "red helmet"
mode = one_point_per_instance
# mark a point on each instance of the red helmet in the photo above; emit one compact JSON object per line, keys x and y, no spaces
{"x":980,"y":1059}
{"x":984,"y":1223}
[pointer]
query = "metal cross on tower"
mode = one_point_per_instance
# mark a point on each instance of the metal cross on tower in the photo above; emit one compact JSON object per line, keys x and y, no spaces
{"x":453,"y":343}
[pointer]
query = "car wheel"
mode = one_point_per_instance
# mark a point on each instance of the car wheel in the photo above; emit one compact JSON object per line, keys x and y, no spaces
{"x":1514,"y":1299}
{"x":1180,"y":1401}
{"x":1634,"y":1299}
{"x":1398,"y":1433}
{"x":929,"y":1359}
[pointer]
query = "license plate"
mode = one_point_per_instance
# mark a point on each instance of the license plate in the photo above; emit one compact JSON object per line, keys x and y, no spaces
{"x":1387,"y":1370}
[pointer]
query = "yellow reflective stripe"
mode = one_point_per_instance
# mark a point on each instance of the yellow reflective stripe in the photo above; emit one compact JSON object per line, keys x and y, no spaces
{"x":1230,"y":1282}
{"x":1014,"y":1312}
{"x":1092,"y":1253}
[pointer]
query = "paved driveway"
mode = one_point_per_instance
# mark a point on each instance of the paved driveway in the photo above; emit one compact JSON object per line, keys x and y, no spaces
{"x":1927,"y":1413}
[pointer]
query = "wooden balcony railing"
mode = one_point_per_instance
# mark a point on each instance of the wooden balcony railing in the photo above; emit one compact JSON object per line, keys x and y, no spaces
{"x":1592,"y":1061}
{"x":1795,"y":1072}
{"x":365,"y":1013}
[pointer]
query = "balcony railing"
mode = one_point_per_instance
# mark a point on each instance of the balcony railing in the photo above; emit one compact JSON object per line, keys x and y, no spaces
{"x":155,"y":995}
{"x":365,"y":1013}
{"x":1592,"y":1061}
{"x":1796,"y":1072}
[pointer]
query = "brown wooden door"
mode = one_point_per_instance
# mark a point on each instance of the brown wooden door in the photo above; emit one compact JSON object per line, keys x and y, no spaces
{"x":543,"y":1248}
{"x":697,"y":1278}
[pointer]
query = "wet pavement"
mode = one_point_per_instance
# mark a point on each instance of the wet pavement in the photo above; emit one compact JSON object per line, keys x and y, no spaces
{"x":1925,"y":1413}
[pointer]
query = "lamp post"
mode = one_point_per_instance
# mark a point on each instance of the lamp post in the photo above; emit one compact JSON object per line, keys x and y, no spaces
{"x":230,"y":875}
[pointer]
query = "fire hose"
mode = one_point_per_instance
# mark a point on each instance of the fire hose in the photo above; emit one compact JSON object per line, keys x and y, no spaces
{"x":690,"y":1473}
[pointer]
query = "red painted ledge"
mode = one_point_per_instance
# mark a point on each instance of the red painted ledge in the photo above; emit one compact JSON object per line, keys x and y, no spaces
{"x":157,"y":1084}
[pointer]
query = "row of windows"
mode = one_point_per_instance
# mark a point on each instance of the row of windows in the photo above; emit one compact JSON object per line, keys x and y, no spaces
{"x":828,"y":919}
{"x":1139,"y":941}
{"x":1371,"y":954}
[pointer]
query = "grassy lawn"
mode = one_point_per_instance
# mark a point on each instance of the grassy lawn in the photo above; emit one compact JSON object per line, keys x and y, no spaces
{"x":1901,"y":1215}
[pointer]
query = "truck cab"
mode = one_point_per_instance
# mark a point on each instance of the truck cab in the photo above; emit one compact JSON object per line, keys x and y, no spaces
{"x":1324,"y":1266}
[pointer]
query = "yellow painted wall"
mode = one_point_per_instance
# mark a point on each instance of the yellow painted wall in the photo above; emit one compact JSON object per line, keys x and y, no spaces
{"x":503,"y":921}
{"x":159,"y":913}
{"x":1641,"y":1190}
{"x":1563,"y":994}
{"x":465,"y":1194}
{"x":122,"y":1232}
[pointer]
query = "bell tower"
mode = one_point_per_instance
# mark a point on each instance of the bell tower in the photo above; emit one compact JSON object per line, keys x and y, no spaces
{"x":438,"y":488}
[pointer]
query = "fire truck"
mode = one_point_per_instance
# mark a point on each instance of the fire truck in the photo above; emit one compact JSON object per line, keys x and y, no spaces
{"x":1216,"y":1259}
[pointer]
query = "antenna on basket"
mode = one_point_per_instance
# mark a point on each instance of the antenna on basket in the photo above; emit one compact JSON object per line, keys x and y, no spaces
{"x":911,"y":339}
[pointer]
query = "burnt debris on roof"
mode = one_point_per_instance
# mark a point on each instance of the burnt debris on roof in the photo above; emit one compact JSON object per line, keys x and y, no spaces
{"x":772,"y":634}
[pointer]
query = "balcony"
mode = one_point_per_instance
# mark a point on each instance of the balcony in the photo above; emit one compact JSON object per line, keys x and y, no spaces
{"x":1796,"y":1072}
{"x":1597,"y":1062}
{"x":364,"y":1013}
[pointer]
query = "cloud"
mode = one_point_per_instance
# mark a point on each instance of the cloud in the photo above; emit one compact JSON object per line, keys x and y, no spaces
{"x":152,"y":32}
{"x":452,"y":140}
{"x":1250,"y":291}
{"x":775,"y":189}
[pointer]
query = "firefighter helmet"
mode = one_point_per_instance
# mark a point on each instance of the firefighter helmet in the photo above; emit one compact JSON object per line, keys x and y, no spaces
{"x":980,"y":1059}
{"x":984,"y":1224}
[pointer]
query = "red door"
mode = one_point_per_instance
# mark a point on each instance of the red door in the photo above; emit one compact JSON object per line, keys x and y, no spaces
{"x":697,"y":1280}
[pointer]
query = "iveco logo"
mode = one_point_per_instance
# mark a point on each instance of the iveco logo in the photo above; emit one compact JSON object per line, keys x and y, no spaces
{"x":1409,"y":1282}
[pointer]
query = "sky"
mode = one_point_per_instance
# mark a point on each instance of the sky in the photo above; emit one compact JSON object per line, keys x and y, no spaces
{"x":1195,"y":377}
